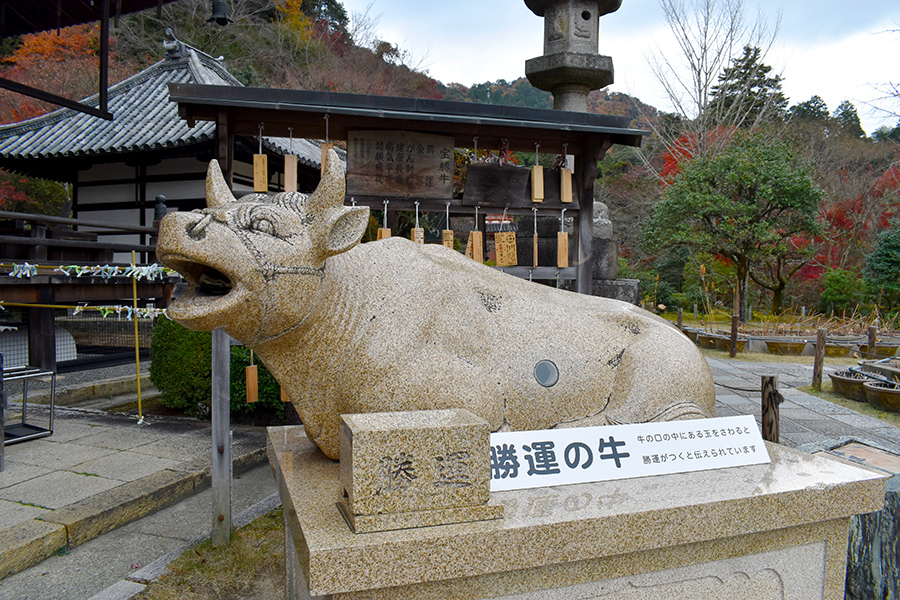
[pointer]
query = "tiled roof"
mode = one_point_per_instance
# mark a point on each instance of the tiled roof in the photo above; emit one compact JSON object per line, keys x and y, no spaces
{"x":144,"y":118}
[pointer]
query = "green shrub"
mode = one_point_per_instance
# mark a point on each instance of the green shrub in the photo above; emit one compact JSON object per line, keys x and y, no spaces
{"x":180,"y":366}
{"x":181,"y":369}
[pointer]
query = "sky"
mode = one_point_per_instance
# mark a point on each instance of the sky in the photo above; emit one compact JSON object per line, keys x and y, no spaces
{"x":836,"y":49}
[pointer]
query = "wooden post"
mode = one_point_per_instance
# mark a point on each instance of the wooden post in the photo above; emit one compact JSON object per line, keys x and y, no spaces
{"x":681,"y":319}
{"x":593,"y":150}
{"x":732,"y":346}
{"x":221,"y":438}
{"x":873,"y":342}
{"x":771,"y":398}
{"x":819,"y":362}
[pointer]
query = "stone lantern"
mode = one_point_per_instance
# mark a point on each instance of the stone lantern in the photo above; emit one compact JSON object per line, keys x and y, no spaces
{"x":571,"y":66}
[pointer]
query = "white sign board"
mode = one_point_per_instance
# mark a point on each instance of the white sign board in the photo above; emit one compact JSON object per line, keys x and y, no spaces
{"x":529,"y":459}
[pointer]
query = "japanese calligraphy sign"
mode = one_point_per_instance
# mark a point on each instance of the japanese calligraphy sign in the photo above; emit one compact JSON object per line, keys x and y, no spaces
{"x":529,"y":459}
{"x":399,"y":164}
{"x":505,"y":245}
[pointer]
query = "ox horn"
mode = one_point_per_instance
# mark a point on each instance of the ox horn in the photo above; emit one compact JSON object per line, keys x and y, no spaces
{"x":331,"y":189}
{"x":217,"y":192}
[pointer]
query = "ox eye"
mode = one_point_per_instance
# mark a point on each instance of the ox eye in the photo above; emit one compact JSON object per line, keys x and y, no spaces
{"x":263,"y":225}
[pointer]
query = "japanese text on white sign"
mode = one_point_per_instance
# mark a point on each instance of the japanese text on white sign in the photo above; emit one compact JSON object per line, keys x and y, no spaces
{"x":528,"y":459}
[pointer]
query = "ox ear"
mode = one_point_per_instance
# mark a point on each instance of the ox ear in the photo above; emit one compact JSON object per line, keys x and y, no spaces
{"x":345,"y":228}
{"x":217,"y":192}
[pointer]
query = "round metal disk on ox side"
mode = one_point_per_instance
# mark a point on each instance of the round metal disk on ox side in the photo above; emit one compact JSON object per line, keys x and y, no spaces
{"x":546,"y":373}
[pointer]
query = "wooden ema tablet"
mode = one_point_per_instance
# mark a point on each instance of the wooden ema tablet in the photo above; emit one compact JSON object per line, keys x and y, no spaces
{"x":290,"y":173}
{"x":284,"y":396}
{"x":383,"y":232}
{"x":537,"y":183}
{"x":474,"y":249}
{"x":562,"y":249}
{"x":260,"y":173}
{"x":535,"y":250}
{"x":326,"y":146}
{"x":505,"y":246}
{"x":252,"y":383}
{"x":417,"y":235}
{"x":565,"y":186}
{"x":447,"y":238}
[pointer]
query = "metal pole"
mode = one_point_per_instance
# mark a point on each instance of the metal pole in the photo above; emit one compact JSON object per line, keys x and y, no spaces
{"x":221,"y":439}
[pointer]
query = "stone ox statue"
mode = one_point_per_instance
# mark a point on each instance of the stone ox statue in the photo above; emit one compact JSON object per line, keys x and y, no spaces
{"x":393,"y":325}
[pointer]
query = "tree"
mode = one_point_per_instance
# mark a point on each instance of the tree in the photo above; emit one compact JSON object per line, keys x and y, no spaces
{"x":813,"y":109}
{"x":843,"y":291}
{"x":709,"y":33}
{"x":743,"y":204}
{"x":747,"y":93}
{"x":847,"y":119}
{"x":882,"y":272}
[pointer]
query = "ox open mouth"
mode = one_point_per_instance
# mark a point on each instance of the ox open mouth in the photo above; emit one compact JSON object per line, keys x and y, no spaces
{"x":204,"y":280}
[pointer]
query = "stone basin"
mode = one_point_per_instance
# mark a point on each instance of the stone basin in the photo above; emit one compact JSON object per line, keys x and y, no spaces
{"x":880,"y":349}
{"x":836,"y":350}
{"x":786,"y":348}
{"x":883,"y":396}
{"x":849,"y":385}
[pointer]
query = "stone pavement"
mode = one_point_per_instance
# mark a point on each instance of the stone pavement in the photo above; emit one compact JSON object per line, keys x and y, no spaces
{"x":804,"y":419}
{"x":99,"y":471}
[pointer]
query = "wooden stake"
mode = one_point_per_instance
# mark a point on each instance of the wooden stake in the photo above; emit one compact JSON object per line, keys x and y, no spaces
{"x":565,"y":186}
{"x":732,"y":343}
{"x":771,"y":398}
{"x":290,"y":173}
{"x":562,"y":249}
{"x":260,"y":173}
{"x":819,"y":361}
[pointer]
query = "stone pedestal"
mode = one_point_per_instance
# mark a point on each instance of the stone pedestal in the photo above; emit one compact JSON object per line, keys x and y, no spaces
{"x":777,"y":530}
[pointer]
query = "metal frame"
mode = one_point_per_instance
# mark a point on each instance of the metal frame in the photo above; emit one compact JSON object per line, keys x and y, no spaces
{"x":23,"y":431}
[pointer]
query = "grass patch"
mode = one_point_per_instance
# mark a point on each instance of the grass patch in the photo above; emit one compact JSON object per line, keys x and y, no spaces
{"x":86,"y":474}
{"x":863,"y":408}
{"x":252,"y":567}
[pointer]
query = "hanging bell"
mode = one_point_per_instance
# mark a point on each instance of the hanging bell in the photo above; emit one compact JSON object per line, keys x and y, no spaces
{"x":219,"y":13}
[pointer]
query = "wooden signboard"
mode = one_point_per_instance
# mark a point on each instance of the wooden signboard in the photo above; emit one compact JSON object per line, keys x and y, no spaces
{"x":399,"y":164}
{"x":260,"y":173}
{"x":474,"y":249}
{"x":447,"y":237}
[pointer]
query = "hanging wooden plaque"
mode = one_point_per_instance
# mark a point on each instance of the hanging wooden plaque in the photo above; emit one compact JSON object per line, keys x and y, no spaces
{"x":447,"y":237}
{"x":417,"y":235}
{"x":565,"y":186}
{"x":537,"y":183}
{"x":252,"y":383}
{"x":260,"y":173}
{"x":383,"y":232}
{"x":505,"y":246}
{"x":284,"y":396}
{"x":562,"y":249}
{"x":474,"y":249}
{"x":535,"y":250}
{"x":290,"y":173}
